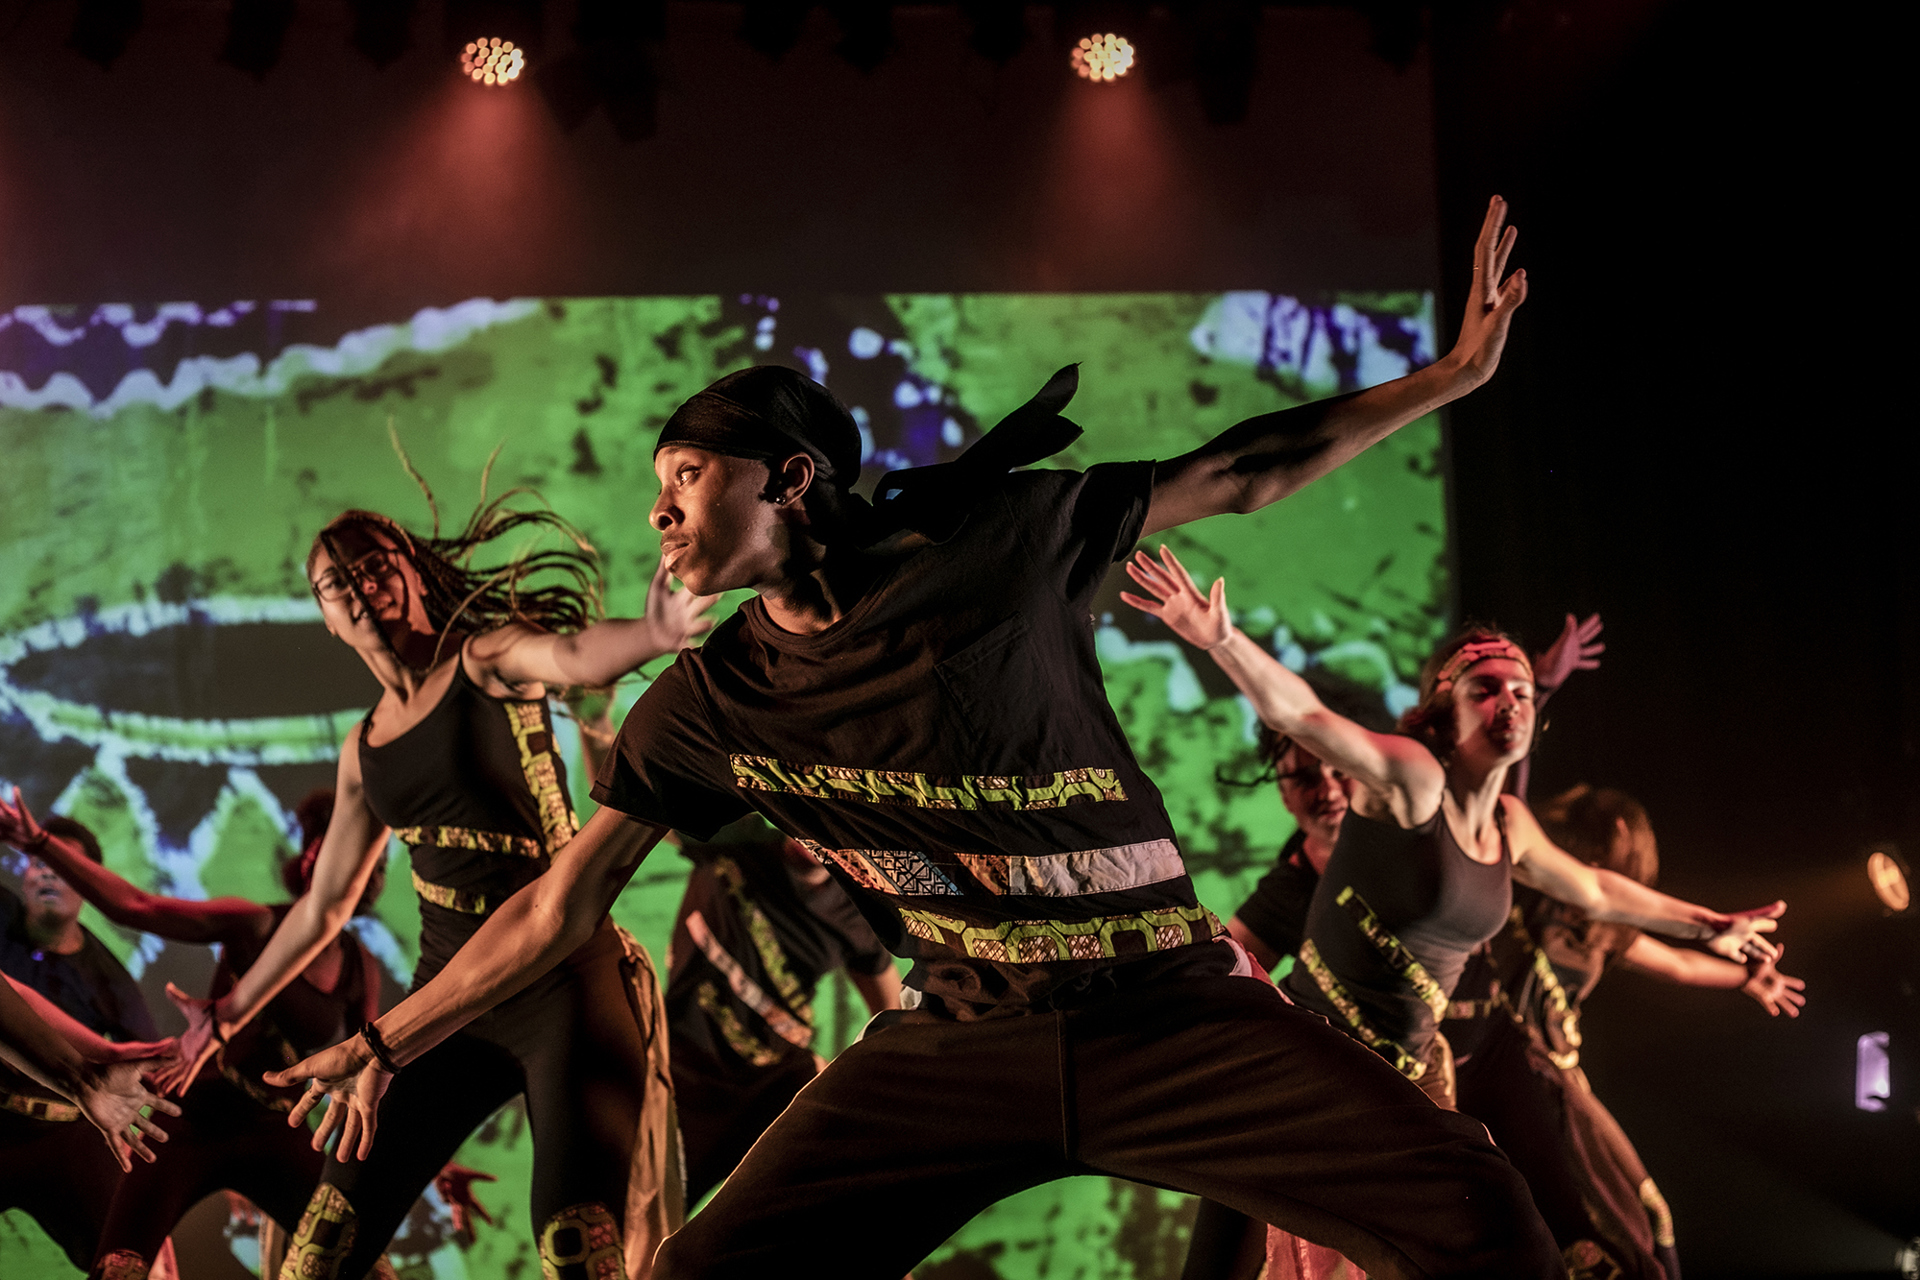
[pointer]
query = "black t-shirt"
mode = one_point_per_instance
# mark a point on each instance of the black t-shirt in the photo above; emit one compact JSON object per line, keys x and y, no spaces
{"x":1277,"y":909}
{"x":90,"y":984}
{"x":749,"y":948}
{"x":947,"y":751}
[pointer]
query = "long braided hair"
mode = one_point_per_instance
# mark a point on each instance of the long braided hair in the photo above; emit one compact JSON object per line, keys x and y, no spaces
{"x":462,"y":599}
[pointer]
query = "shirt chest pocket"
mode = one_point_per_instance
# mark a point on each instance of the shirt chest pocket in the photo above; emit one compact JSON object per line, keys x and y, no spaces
{"x":999,"y":693}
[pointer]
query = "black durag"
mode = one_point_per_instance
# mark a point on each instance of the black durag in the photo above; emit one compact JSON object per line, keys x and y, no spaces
{"x":771,"y":412}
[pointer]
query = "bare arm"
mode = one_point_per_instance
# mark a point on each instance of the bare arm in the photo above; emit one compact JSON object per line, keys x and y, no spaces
{"x":1263,"y":955}
{"x":109,"y":1094}
{"x":595,"y":656}
{"x":1396,"y":770}
{"x":1762,"y":982}
{"x":1264,"y":459}
{"x":1607,"y":895}
{"x":221,"y":920}
{"x":90,"y":1044}
{"x":532,"y":931}
{"x":354,"y":843}
{"x":880,"y":990}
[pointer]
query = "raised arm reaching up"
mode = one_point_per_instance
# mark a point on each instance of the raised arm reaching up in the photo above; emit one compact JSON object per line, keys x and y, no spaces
{"x":1263,"y":459}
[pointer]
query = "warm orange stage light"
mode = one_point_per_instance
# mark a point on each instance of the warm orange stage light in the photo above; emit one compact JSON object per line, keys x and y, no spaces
{"x":1889,"y":882}
{"x":493,"y":61}
{"x":1103,"y":57}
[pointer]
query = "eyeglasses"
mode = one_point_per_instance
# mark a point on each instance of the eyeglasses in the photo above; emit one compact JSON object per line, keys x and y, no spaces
{"x":370,"y":568}
{"x":1309,"y":777}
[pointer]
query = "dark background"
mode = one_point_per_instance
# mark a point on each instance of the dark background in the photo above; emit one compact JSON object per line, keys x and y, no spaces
{"x":1688,"y":435}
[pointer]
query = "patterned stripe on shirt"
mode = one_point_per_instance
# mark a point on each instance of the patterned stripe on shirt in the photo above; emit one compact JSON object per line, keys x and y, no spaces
{"x":925,"y":790}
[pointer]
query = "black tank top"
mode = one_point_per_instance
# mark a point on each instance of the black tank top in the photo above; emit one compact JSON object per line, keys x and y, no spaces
{"x":1393,"y":920}
{"x":478,"y":793}
{"x":301,"y":1020}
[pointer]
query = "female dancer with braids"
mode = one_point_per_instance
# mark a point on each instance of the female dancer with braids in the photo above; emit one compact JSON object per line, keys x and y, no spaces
{"x":1422,"y":872}
{"x":458,"y":757}
{"x":1515,"y":1023}
{"x":232,"y":1132}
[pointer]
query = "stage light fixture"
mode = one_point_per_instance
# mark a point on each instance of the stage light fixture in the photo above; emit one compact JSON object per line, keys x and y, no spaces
{"x":492,"y":61}
{"x":1101,"y":58}
{"x":1888,"y":872}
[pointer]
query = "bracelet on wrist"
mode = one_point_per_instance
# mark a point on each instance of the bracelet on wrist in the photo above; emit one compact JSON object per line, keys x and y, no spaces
{"x":378,"y":1048}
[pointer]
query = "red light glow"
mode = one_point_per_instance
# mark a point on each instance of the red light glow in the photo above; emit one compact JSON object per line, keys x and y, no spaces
{"x":1102,"y":58}
{"x":492,"y":61}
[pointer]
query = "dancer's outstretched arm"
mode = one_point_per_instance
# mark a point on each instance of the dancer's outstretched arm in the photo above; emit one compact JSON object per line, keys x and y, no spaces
{"x":221,"y":920}
{"x":598,"y":655}
{"x":1264,"y":459}
{"x":110,"y":1094}
{"x":1393,"y":769}
{"x":1607,"y":895}
{"x":532,"y":931}
{"x":1761,"y":981}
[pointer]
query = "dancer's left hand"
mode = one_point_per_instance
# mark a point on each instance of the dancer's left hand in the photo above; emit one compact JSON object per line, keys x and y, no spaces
{"x":352,"y":1083}
{"x":675,"y":616}
{"x":1578,"y":649}
{"x":1775,"y":991}
{"x":18,"y":826}
{"x":1737,"y":934}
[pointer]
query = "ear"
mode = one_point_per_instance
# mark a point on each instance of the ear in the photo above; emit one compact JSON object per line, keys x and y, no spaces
{"x":793,"y":478}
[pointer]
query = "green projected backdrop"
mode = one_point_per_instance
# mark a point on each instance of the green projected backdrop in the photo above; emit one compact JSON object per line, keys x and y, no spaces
{"x":164,"y":677}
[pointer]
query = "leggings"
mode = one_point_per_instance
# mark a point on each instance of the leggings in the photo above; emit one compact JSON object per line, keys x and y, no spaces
{"x":1213,"y":1086}
{"x":61,"y":1174}
{"x":579,"y":1045}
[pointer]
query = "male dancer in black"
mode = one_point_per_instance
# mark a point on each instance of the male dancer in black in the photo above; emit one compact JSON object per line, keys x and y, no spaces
{"x":915,"y":692}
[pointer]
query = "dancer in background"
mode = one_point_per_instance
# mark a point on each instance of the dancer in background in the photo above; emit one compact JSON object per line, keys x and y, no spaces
{"x":1515,"y":1025}
{"x":914,"y":692}
{"x":232,"y":1132}
{"x":44,"y":945}
{"x":53,"y":1072}
{"x":458,"y":757}
{"x":761,"y":923}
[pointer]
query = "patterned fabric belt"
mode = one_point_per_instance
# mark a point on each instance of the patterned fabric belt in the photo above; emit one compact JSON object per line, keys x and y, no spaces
{"x":464,"y":901}
{"x":466,"y":838}
{"x":38,"y":1108}
{"x":1044,"y":941}
{"x":905,"y":872}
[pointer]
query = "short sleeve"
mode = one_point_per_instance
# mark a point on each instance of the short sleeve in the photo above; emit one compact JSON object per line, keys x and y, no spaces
{"x":1276,"y":911}
{"x":1081,"y":521}
{"x":667,"y":766}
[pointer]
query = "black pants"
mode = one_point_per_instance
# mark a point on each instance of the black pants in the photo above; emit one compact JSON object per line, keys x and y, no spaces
{"x":61,"y":1174}
{"x":221,"y":1140}
{"x":571,"y":1043}
{"x":724,"y":1109}
{"x":1213,"y":1086}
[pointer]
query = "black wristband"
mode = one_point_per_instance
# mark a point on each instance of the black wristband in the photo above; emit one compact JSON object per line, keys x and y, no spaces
{"x":378,"y":1047}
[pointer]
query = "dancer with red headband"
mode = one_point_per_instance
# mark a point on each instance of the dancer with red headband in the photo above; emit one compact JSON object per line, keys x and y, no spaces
{"x":915,"y":695}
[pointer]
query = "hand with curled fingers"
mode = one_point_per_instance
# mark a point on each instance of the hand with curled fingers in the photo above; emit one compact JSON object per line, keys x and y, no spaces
{"x":352,"y":1082}
{"x":675,"y":616}
{"x":18,"y":826}
{"x":196,"y":1046}
{"x":1737,"y":935}
{"x":113,"y":1095}
{"x":1773,"y":990}
{"x":1202,"y":621}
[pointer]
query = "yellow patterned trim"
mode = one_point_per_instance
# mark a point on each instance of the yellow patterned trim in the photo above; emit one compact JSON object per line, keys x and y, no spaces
{"x":1395,"y":953}
{"x":528,"y":720}
{"x":738,"y":1038}
{"x":924,"y":790}
{"x":784,"y":1024}
{"x":1661,"y":1216}
{"x":34,"y":1107}
{"x":1046,"y":941}
{"x":1387,"y":1047}
{"x":248,"y":1082}
{"x":324,"y":1238}
{"x":1553,"y":996}
{"x":467,"y":838}
{"x":121,"y":1264}
{"x":461,"y":900}
{"x":582,"y":1243}
{"x":773,"y":957}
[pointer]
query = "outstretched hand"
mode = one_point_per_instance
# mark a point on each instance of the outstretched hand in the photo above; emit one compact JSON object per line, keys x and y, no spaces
{"x":1578,"y":649}
{"x":1775,"y":991}
{"x":352,"y":1083}
{"x":1737,"y":936}
{"x":1202,"y":621}
{"x":18,"y":826}
{"x":455,"y":1185}
{"x":196,"y":1047}
{"x":675,"y":616}
{"x":1493,"y":300}
{"x":113,"y":1097}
